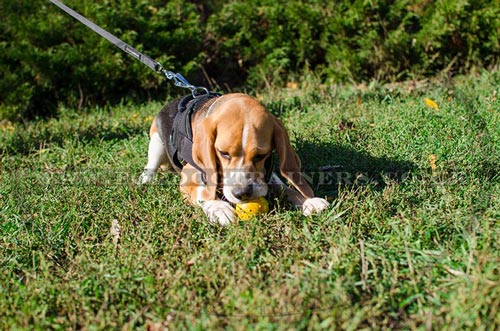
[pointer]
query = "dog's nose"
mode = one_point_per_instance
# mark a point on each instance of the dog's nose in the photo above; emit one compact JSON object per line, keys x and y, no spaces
{"x":244,"y":192}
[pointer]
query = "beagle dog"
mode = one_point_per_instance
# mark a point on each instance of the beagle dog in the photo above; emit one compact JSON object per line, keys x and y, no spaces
{"x":222,"y":146}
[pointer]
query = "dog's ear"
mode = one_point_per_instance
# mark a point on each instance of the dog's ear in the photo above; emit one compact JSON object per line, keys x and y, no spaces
{"x":289,"y":162}
{"x":205,"y":157}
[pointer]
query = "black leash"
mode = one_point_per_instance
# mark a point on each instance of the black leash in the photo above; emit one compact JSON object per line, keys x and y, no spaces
{"x":178,"y":79}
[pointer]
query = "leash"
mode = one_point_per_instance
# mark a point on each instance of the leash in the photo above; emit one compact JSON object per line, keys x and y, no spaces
{"x":177,"y":78}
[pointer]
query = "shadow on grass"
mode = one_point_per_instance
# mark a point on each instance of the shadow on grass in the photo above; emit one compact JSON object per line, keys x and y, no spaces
{"x":328,"y":167}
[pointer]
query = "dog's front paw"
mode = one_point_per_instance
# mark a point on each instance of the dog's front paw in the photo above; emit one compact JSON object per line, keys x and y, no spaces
{"x":146,"y":177}
{"x":218,"y":212}
{"x":314,"y":206}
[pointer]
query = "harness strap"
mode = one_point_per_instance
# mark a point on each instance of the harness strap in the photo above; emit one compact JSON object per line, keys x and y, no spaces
{"x":181,"y":138}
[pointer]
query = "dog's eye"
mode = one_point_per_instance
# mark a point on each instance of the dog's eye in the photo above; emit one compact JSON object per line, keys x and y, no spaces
{"x":259,"y":157}
{"x":225,"y":155}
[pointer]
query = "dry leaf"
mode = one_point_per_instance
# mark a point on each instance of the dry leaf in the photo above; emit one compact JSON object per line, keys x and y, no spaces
{"x":432,"y":161}
{"x":6,"y":126}
{"x":190,"y":263}
{"x":115,"y":232}
{"x":454,"y":272}
{"x":152,"y":326}
{"x":160,"y":326}
{"x":359,"y":101}
{"x":431,"y":103}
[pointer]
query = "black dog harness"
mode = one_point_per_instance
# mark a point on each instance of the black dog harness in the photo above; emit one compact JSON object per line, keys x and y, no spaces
{"x":174,"y":124}
{"x":180,"y":142}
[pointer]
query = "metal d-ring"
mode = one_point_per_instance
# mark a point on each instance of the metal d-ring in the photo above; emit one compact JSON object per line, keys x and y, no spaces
{"x":196,"y":89}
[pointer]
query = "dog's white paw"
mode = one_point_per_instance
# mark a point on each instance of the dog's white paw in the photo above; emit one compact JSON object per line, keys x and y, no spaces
{"x":146,"y":177}
{"x":314,"y":206}
{"x":218,"y":211}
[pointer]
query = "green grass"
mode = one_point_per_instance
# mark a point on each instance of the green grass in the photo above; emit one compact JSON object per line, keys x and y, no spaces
{"x":409,"y":243}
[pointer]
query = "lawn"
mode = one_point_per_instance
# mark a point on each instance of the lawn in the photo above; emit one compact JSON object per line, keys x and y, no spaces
{"x":411,"y":240}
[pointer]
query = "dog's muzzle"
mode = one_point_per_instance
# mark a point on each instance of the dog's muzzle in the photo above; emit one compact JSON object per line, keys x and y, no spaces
{"x":241,"y":186}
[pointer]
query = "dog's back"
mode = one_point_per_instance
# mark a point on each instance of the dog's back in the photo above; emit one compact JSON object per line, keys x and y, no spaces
{"x":174,"y":123}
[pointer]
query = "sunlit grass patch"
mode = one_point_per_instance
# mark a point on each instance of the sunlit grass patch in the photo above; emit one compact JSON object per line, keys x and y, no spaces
{"x":411,"y":239}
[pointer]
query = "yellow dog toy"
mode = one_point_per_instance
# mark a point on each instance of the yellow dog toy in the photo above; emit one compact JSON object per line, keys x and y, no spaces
{"x":251,"y":208}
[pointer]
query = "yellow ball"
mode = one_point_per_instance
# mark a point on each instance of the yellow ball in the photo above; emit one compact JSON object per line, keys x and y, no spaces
{"x":251,"y":208}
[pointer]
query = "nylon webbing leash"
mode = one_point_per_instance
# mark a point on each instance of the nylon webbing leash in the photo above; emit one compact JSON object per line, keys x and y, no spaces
{"x":178,"y":79}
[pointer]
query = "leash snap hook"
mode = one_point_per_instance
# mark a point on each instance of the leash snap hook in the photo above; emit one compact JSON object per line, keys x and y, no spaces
{"x":180,"y":81}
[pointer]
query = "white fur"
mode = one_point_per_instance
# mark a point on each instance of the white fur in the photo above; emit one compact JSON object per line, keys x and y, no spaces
{"x":228,"y":194}
{"x":199,"y":191}
{"x":218,"y":211}
{"x":314,"y":206}
{"x":244,"y":138}
{"x":156,"y":156}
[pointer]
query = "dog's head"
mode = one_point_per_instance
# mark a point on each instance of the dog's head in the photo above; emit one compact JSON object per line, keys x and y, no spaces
{"x":236,"y":137}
